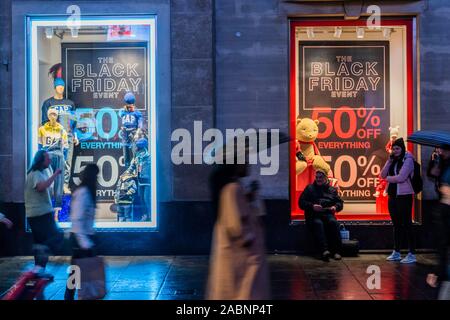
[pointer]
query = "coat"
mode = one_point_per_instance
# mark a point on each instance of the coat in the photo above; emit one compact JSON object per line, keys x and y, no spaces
{"x":326,"y":195}
{"x":141,"y":167}
{"x":82,"y":216}
{"x":238,"y":268}
{"x":403,"y":177}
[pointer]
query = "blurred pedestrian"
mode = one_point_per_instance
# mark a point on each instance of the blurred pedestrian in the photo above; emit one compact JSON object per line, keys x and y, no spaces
{"x":320,"y":201}
{"x":39,"y":210}
{"x":439,"y":169}
{"x":398,"y":171}
{"x":238,"y":268}
{"x":82,"y":216}
{"x":5,"y":221}
{"x":8,"y":224}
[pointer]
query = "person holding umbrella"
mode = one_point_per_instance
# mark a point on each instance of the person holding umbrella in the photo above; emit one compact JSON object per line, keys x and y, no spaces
{"x":398,"y":171}
{"x":238,"y":268}
{"x":439,"y":169}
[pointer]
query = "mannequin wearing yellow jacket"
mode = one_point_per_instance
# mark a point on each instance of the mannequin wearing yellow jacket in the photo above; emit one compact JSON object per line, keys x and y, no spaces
{"x":53,"y":138}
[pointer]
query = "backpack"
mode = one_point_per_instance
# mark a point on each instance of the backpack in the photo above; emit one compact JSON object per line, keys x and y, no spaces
{"x":416,"y":180}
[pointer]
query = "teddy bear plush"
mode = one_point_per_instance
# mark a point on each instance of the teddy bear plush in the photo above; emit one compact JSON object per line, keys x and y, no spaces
{"x":306,"y":150}
{"x":308,"y":158}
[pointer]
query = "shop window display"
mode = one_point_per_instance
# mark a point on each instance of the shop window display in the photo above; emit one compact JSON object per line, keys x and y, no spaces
{"x":91,"y":98}
{"x":351,"y":94}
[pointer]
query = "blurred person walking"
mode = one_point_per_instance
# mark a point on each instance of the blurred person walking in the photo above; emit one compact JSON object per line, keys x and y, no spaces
{"x":5,"y":221}
{"x":398,"y":171}
{"x":82,"y":216}
{"x":238,"y":268}
{"x":8,"y":224}
{"x":39,"y":210}
{"x":439,"y":169}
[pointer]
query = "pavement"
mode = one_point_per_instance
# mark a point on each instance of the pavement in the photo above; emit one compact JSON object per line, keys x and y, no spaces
{"x":292,"y":277}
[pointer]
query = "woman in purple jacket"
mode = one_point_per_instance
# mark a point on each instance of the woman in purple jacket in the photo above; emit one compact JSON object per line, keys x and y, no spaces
{"x":398,"y":171}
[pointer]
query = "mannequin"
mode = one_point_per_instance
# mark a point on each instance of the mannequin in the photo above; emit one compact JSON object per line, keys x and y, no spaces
{"x":124,"y":198}
{"x":132,"y":125}
{"x":67,"y":118}
{"x":53,"y":138}
{"x":140,"y":168}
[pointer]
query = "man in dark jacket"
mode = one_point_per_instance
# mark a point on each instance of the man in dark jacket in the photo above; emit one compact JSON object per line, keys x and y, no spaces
{"x":320,"y":201}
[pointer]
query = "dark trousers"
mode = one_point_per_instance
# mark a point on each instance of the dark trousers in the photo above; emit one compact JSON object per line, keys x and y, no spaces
{"x":77,"y":253}
{"x":125,"y":212}
{"x":325,"y":230}
{"x":68,"y":161}
{"x":400,"y":209}
{"x":57,"y":162}
{"x":128,"y":145}
{"x":127,"y":155}
{"x":441,"y":228}
{"x":144,"y":194}
{"x":45,"y":233}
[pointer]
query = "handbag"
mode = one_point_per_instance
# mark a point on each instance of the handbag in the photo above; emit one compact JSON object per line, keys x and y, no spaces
{"x":444,"y":291}
{"x":350,"y":248}
{"x":92,"y":273}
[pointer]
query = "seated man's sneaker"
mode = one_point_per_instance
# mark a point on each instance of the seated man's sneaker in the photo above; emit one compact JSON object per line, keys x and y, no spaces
{"x":395,"y":256}
{"x":410,"y":258}
{"x":326,"y":256}
{"x":337,"y":256}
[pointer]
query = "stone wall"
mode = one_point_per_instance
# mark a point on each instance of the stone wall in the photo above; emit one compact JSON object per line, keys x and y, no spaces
{"x":6,"y":158}
{"x":192,"y":58}
{"x":434,"y":50}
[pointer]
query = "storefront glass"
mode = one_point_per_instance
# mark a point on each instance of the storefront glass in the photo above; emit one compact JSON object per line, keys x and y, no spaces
{"x":351,"y":92}
{"x":91,"y":98}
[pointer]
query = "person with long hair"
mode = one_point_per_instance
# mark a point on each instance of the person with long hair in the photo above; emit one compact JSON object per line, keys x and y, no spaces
{"x":238,"y":268}
{"x":39,"y":209}
{"x":398,"y":172}
{"x":82,"y":216}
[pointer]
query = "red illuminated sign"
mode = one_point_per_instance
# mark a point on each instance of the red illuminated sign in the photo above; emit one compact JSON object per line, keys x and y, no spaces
{"x":345,"y":86}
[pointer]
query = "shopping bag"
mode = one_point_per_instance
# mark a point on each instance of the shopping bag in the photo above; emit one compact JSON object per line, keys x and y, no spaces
{"x":28,"y":287}
{"x":92,"y":274}
{"x":444,"y":291}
